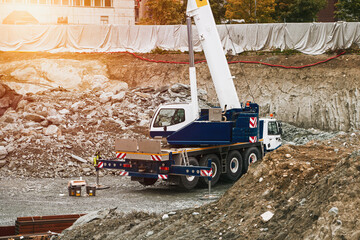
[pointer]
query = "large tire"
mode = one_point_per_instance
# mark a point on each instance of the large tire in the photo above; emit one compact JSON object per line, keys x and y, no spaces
{"x":216,"y":169}
{"x":189,"y":182}
{"x":148,"y":181}
{"x":234,"y":166}
{"x":250,"y":156}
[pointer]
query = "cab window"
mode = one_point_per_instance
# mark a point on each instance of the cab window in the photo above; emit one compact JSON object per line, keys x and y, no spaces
{"x":273,"y":128}
{"x":169,"y":116}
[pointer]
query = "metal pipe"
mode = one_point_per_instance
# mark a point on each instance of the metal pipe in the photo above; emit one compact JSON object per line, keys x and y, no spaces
{"x":190,"y":42}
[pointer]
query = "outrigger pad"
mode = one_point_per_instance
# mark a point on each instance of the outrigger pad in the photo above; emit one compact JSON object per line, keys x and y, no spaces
{"x":126,"y":145}
{"x":149,"y":146}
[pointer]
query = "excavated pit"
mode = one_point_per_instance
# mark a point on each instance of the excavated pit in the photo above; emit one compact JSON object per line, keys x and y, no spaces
{"x":79,"y":103}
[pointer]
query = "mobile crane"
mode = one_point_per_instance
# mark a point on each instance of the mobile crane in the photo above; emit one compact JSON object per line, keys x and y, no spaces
{"x":204,"y":144}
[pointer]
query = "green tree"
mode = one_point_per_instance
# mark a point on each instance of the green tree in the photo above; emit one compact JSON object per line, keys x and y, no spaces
{"x":348,"y":10}
{"x":298,"y":10}
{"x":262,"y":11}
{"x":218,"y":9}
{"x":164,"y":12}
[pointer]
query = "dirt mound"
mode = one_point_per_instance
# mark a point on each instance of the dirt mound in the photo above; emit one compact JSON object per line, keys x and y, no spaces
{"x":295,"y":192}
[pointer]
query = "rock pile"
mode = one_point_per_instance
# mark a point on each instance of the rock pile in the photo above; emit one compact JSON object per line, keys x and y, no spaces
{"x":38,"y":138}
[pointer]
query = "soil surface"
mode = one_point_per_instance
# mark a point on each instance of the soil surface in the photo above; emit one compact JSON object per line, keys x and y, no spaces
{"x":21,"y":197}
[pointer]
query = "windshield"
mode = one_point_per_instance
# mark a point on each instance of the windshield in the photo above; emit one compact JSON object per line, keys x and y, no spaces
{"x":273,"y":128}
{"x":169,"y":116}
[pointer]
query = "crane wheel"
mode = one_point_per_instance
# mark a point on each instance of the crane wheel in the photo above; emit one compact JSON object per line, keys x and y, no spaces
{"x":148,"y":181}
{"x":189,"y":182}
{"x":234,"y":166}
{"x":251,"y":155}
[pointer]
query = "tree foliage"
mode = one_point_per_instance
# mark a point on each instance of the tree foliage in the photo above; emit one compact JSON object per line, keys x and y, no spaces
{"x":298,"y":10}
{"x":348,"y":10}
{"x":262,"y":11}
{"x":218,"y":9}
{"x":164,"y":12}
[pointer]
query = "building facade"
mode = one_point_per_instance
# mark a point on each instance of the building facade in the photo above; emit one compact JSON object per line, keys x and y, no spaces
{"x":327,"y":14}
{"x":70,"y":11}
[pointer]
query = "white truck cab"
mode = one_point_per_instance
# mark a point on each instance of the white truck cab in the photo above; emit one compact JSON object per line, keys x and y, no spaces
{"x":270,"y":133}
{"x":169,"y":118}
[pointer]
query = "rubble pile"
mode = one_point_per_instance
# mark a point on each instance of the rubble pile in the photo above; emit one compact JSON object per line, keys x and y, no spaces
{"x":296,"y":192}
{"x":299,"y":136}
{"x":39,"y":137}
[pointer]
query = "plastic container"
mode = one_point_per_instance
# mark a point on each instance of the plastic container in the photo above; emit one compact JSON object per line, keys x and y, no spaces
{"x":77,"y":191}
{"x":91,"y":190}
{"x":71,"y":191}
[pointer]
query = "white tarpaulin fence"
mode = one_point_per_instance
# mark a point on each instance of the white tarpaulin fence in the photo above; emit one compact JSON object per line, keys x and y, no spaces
{"x":309,"y":38}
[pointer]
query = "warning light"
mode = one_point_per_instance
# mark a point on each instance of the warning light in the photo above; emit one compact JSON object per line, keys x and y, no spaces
{"x":164,"y":168}
{"x":248,"y":103}
{"x":271,"y":115}
{"x":127,"y":166}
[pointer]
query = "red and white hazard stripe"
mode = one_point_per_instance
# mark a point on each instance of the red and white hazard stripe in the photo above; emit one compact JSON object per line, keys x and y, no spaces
{"x":162,"y":176}
{"x":206,"y":173}
{"x":253,"y":139}
{"x":253,"y":122}
{"x":123,"y":173}
{"x":156,"y":157}
{"x":121,"y":155}
{"x":100,"y":165}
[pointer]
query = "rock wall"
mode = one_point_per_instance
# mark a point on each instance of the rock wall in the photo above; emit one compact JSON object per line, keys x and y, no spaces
{"x":326,"y":96}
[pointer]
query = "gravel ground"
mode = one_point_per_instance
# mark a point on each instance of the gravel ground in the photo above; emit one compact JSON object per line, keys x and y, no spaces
{"x":20,"y":197}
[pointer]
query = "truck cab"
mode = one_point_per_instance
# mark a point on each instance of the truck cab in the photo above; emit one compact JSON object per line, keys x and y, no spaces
{"x":169,"y":118}
{"x":270,"y":132}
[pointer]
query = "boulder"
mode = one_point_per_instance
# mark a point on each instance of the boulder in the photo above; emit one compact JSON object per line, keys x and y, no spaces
{"x":105,"y":97}
{"x":3,"y":152}
{"x":118,"y":97}
{"x":55,"y":119}
{"x":33,"y":117}
{"x":52,"y":130}
{"x":180,"y":88}
{"x":64,"y":111}
{"x":78,"y":105}
{"x":2,"y":90}
{"x":8,"y":98}
{"x":2,"y":163}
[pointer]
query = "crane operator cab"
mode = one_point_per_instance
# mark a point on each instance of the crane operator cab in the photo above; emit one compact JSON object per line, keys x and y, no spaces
{"x":270,"y":132}
{"x":170,"y":118}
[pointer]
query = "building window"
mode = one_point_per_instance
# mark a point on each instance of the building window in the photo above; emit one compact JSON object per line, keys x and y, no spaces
{"x":18,"y":1}
{"x":8,"y":1}
{"x":65,"y":2}
{"x":56,"y":2}
{"x":107,"y":3}
{"x":87,"y":3}
{"x":34,"y":1}
{"x":104,"y":19}
{"x":97,"y":3}
{"x":42,"y":1}
{"x":77,"y":2}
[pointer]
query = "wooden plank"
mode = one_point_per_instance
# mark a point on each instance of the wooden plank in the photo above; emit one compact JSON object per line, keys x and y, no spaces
{"x":149,"y":146}
{"x":7,"y":230}
{"x":126,"y":145}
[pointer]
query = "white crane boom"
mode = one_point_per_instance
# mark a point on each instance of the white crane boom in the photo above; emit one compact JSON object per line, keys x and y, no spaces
{"x":219,"y":69}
